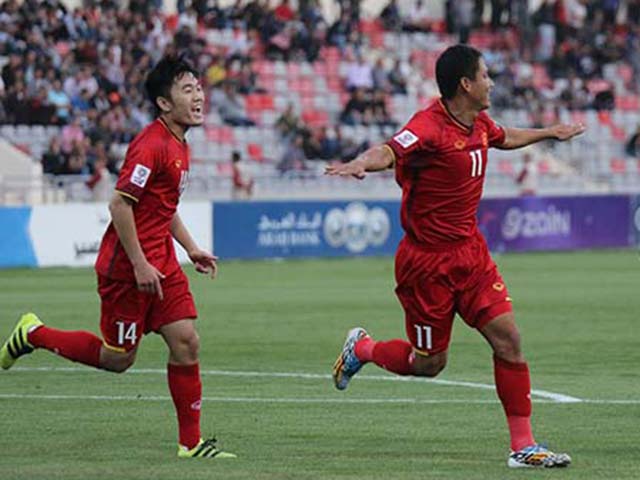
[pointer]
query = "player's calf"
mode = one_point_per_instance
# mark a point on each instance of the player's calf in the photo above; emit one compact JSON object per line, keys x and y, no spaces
{"x":429,"y":365}
{"x":116,"y":362}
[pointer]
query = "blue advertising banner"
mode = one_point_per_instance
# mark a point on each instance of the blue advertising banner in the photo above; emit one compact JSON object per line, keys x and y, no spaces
{"x":305,"y":229}
{"x":555,"y":223}
{"x":16,"y":249}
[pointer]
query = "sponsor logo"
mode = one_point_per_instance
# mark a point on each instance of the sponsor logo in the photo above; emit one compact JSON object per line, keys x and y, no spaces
{"x":197,"y":405}
{"x":546,"y":223}
{"x":178,"y":163}
{"x":405,"y":138}
{"x":140,"y":175}
{"x":498,"y":287}
{"x":356,"y":227}
{"x":460,"y":144}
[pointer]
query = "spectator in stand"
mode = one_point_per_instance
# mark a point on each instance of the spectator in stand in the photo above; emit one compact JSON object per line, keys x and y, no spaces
{"x":53,"y":160}
{"x":632,"y":147}
{"x":380,"y":76}
{"x":283,"y":12}
{"x":527,"y":177}
{"x":397,"y":79}
{"x":242,"y":181}
{"x":417,"y":17}
{"x":230,"y":107}
{"x":340,"y":32}
{"x":100,"y":183}
{"x":359,"y":74}
{"x":390,"y":16}
{"x":379,"y":113}
{"x":71,"y":133}
{"x":217,"y":71}
{"x":463,"y":11}
{"x":358,"y":109}
{"x":293,"y":158}
{"x":288,"y":124}
{"x":59,"y":99}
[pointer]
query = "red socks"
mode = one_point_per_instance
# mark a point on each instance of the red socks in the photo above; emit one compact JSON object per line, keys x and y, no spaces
{"x":394,"y":355}
{"x":514,"y":390}
{"x":82,"y":347}
{"x":186,"y":391}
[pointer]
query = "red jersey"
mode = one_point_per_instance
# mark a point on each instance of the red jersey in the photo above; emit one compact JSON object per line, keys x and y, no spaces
{"x":440,"y":165}
{"x":154,"y":174}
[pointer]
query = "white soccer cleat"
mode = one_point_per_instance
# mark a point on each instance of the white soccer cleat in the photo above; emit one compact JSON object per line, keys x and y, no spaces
{"x":347,"y":364}
{"x":538,"y":456}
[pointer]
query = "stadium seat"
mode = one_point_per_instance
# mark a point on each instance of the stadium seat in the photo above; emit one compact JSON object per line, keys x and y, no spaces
{"x":618,"y":166}
{"x":254,"y":151}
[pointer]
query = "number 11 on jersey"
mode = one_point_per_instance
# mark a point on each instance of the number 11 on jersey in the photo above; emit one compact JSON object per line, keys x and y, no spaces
{"x":476,"y":162}
{"x":423,"y":336}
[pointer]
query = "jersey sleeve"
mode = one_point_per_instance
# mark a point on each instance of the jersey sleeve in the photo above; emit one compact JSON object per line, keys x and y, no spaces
{"x":496,"y":133}
{"x":412,"y":138}
{"x":139,"y":167}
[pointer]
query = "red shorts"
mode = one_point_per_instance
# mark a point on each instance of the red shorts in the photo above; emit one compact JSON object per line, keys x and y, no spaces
{"x":435,"y":285}
{"x":127,"y":313}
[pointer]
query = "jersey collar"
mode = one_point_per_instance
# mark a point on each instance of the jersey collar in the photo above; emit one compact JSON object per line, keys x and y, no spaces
{"x":455,"y":121}
{"x":178,"y":139}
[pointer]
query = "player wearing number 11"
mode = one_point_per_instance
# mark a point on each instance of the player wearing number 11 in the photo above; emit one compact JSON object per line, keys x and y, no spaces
{"x":141,"y":285}
{"x":442,"y":265}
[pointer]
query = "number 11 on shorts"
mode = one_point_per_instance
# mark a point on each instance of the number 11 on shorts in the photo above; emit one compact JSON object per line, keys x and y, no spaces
{"x":126,"y":332}
{"x":423,"y":336}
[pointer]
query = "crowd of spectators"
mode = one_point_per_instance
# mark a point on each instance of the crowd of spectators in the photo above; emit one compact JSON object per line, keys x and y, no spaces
{"x":82,"y":68}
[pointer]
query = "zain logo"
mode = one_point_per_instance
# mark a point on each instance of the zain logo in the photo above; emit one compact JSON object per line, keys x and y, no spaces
{"x":356,"y":227}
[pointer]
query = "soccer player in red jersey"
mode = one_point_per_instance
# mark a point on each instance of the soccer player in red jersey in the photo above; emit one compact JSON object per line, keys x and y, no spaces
{"x":141,"y":284}
{"x":442,"y":265}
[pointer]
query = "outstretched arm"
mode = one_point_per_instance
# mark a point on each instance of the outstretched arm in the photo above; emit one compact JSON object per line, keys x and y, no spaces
{"x":204,"y":261}
{"x":377,"y":158}
{"x":521,"y":137}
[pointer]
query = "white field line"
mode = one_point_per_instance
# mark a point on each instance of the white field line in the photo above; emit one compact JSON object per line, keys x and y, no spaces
{"x":294,"y":400}
{"x":542,"y":394}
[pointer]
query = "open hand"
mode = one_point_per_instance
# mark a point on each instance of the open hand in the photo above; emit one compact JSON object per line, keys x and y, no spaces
{"x":565,"y":131}
{"x":351,"y":169}
{"x":205,"y":262}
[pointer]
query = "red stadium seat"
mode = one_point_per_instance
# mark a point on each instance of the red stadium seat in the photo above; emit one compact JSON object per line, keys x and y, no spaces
{"x":505,"y":167}
{"x":618,"y":166}
{"x":315,"y":118}
{"x":628,"y":102}
{"x":255,"y":152}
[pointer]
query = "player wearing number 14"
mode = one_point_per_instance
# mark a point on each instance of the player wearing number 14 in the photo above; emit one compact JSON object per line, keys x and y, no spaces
{"x":141,"y":285}
{"x":443,"y":266}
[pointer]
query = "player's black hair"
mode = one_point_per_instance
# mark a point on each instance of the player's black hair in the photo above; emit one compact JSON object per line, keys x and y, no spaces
{"x":160,"y":79}
{"x":455,"y":63}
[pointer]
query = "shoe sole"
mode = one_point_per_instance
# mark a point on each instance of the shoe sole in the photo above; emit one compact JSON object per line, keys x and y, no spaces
{"x":339,"y":363}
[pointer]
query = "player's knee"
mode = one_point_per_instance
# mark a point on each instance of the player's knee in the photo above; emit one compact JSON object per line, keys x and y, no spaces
{"x":187,"y":347}
{"x":508,"y":347}
{"x":429,"y":366}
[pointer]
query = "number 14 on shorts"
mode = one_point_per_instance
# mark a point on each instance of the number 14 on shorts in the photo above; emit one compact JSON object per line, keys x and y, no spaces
{"x":423,"y":336}
{"x":127,"y":331}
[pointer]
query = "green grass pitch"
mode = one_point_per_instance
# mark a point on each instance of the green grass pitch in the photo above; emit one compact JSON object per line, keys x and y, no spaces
{"x":270,"y":332}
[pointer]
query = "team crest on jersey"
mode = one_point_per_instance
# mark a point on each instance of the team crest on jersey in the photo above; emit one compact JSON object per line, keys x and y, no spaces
{"x":485,"y":140}
{"x":178,"y":163}
{"x":460,"y":144}
{"x":498,"y":287}
{"x":406,"y":138}
{"x":140,"y":175}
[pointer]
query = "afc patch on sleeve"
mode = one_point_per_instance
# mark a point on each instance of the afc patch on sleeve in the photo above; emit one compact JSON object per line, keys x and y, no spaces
{"x":140,"y":175}
{"x":406,"y":138}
